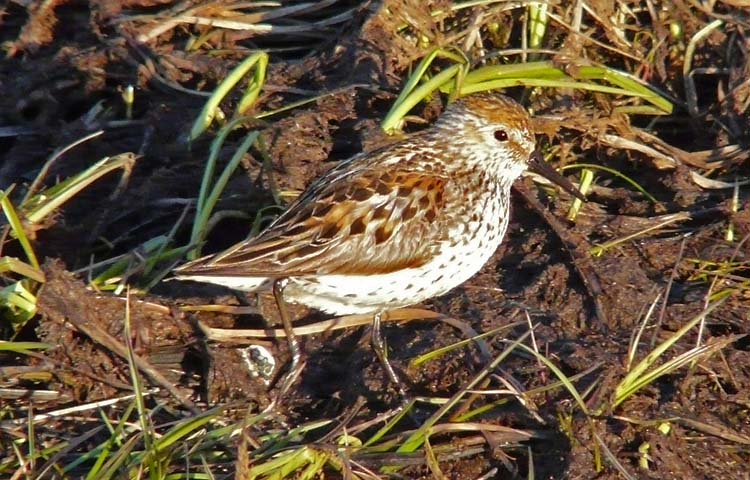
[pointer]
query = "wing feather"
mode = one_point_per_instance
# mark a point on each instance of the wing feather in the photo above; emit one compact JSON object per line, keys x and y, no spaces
{"x":359,"y":218}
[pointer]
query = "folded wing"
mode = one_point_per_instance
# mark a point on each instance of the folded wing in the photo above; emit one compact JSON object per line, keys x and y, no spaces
{"x":351,"y":221}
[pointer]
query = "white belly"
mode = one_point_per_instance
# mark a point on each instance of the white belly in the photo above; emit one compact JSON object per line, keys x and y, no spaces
{"x":350,"y":294}
{"x":467,"y":249}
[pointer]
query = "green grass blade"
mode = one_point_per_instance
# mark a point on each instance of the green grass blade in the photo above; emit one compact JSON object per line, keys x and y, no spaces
{"x":398,"y":111}
{"x":538,"y":21}
{"x":185,"y":428}
{"x":545,"y":74}
{"x":53,"y":198}
{"x":207,"y":115}
{"x":539,"y":70}
{"x":561,"y":376}
{"x":22,"y":347}
{"x":414,"y":79}
{"x":10,"y":264}
{"x":208,"y":175}
{"x":20,"y":302}
{"x":17,"y":227}
{"x":390,"y":424}
{"x":626,"y":82}
{"x":204,"y":213}
{"x":114,"y":466}
{"x":587,"y":178}
{"x":436,"y":353}
{"x":616,"y":173}
{"x":544,"y":82}
{"x":252,"y":92}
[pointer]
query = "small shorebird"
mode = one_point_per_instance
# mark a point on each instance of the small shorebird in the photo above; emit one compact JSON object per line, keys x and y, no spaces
{"x":392,"y":227}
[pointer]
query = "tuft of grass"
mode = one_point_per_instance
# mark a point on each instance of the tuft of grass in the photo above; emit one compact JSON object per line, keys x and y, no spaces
{"x":647,"y":371}
{"x":143,"y":260}
{"x":459,"y":80}
{"x":40,"y":206}
{"x":34,"y":213}
{"x":18,"y":300}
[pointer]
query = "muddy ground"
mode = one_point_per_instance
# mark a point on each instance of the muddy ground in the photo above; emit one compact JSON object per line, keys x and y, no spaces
{"x":66,"y":66}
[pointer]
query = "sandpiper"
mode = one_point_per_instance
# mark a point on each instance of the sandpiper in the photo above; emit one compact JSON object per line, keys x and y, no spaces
{"x":391,"y":227}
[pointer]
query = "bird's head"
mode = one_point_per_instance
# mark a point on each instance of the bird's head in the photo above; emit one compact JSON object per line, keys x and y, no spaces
{"x":495,"y":132}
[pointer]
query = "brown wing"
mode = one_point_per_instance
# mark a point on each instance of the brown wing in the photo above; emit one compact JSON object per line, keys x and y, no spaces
{"x":354,"y":220}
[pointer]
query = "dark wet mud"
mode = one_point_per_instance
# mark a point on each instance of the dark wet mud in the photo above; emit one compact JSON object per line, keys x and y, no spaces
{"x":66,"y":66}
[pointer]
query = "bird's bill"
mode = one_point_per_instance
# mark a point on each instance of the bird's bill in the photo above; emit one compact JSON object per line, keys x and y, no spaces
{"x":539,"y":166}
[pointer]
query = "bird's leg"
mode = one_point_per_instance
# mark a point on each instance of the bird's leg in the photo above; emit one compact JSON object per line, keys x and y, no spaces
{"x":296,"y":365}
{"x":378,"y":344}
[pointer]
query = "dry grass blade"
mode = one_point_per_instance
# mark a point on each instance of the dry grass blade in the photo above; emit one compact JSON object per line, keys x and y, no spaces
{"x":346,"y":321}
{"x":719,"y":431}
{"x":235,"y":17}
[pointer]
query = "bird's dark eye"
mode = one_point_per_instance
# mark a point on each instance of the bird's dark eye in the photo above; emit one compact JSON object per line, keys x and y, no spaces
{"x":501,"y":135}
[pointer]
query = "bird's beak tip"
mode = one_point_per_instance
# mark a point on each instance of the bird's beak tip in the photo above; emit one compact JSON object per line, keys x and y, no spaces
{"x":539,"y":166}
